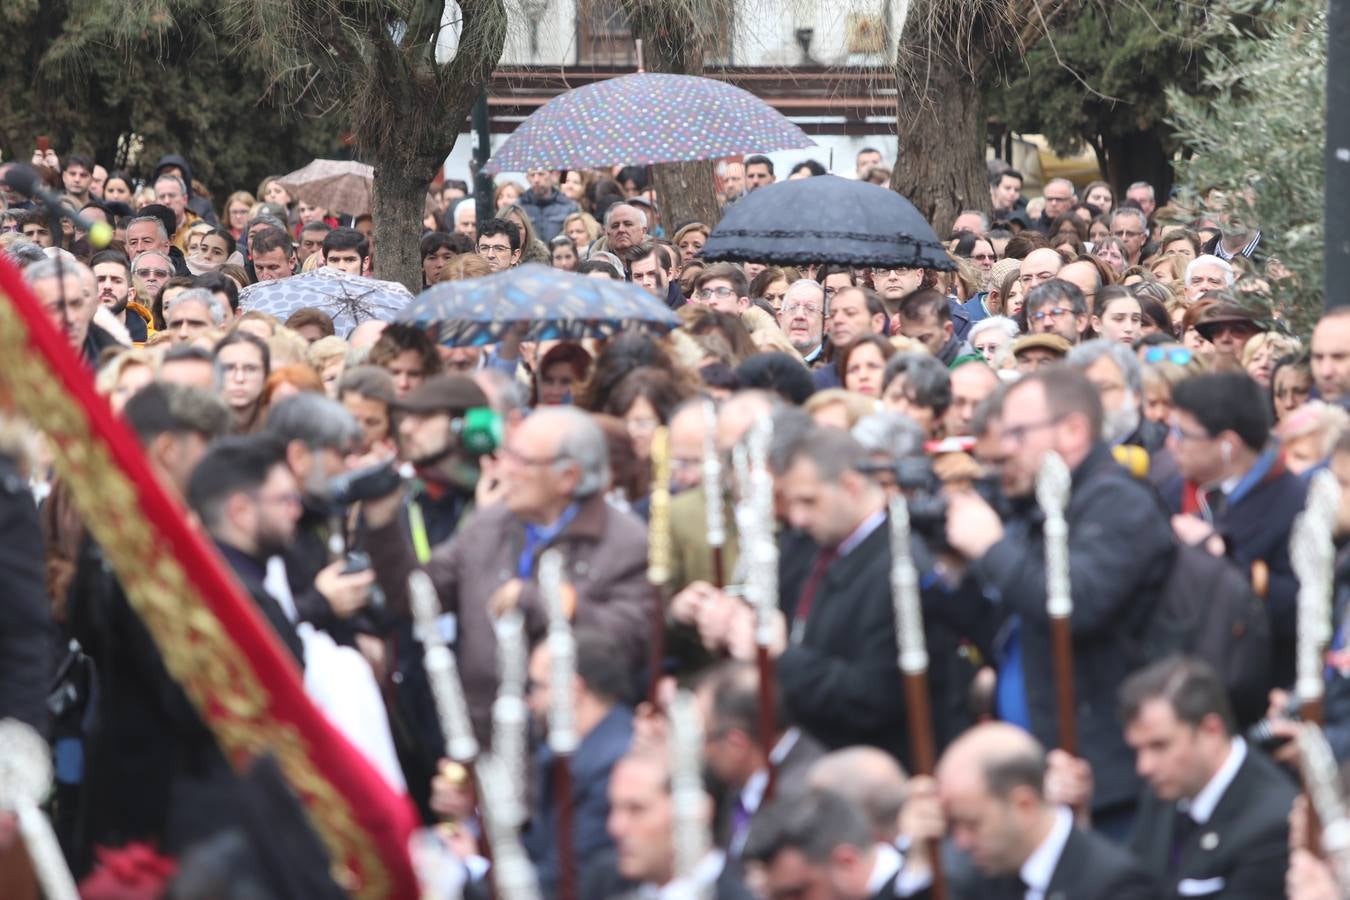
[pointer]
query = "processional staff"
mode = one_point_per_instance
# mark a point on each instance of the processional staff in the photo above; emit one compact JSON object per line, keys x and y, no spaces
{"x":1313,"y":557}
{"x":687,"y":797}
{"x":562,"y":733}
{"x":712,"y":494}
{"x":25,"y":779}
{"x":658,"y":555}
{"x":759,"y":547}
{"x":510,"y":726}
{"x":1053,"y":484}
{"x":913,"y":650}
{"x":1326,"y":801}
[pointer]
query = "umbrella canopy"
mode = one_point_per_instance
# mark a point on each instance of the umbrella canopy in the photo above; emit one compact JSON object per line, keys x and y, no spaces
{"x":339,"y":186}
{"x":644,"y":119}
{"x":826,"y":219}
{"x":348,"y":299}
{"x":553,"y":304}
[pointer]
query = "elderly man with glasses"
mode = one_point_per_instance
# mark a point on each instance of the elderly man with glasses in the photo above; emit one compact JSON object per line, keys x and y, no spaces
{"x":1130,"y":225}
{"x":554,"y":470}
{"x":1058,"y":307}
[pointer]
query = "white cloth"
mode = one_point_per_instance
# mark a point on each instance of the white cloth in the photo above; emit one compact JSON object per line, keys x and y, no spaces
{"x":884,"y":868}
{"x":1040,"y":866}
{"x":338,"y":681}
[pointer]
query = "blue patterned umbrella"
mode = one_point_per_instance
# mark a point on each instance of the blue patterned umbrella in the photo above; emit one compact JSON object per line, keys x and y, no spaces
{"x":826,"y":219}
{"x":642,"y":119}
{"x":555,"y":305}
{"x":348,"y":299}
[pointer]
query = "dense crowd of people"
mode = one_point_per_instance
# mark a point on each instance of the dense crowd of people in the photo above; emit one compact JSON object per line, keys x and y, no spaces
{"x":1133,"y":336}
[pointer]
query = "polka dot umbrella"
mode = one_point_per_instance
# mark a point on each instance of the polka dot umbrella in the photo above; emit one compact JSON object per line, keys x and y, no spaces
{"x":643,"y":119}
{"x":549,"y":303}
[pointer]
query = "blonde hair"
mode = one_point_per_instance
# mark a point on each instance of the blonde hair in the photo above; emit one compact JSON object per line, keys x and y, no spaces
{"x":243,"y":197}
{"x":287,"y":348}
{"x":856,"y":406}
{"x":588,"y":221}
{"x":325,"y":350}
{"x":1280,"y":345}
{"x":1312,"y":417}
{"x":111,"y":371}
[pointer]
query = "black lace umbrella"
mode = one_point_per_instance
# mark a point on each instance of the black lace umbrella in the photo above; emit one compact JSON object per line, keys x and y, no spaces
{"x":826,"y":219}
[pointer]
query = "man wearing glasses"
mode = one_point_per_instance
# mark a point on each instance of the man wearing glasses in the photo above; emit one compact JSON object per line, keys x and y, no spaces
{"x":1059,"y":196}
{"x":1057,"y":307}
{"x":802,"y":319}
{"x":1131,"y":226}
{"x":722,"y":287}
{"x":499,"y":244}
{"x":1059,"y":410}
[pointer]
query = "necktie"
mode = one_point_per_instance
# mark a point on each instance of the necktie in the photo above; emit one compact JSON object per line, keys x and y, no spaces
{"x":1183,"y":827}
{"x":809,"y":587}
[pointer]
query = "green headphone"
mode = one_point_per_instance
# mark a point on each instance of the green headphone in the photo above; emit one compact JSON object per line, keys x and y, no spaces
{"x":479,"y":430}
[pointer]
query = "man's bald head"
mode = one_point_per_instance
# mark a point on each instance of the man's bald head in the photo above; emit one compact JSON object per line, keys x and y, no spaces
{"x":869,"y":778}
{"x":1040,"y":266}
{"x":688,"y":430}
{"x":1002,"y":756}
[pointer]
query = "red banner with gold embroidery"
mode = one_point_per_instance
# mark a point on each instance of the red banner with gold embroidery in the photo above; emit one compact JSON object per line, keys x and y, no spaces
{"x":213,"y":640}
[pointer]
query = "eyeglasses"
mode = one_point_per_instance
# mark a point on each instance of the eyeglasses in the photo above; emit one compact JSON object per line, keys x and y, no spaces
{"x":1124,"y":233}
{"x":721,"y":293}
{"x":983,"y":257}
{"x":801,"y":309}
{"x":158,"y":273}
{"x":1053,"y":312}
{"x":1178,"y":356}
{"x":1049,"y":199}
{"x":494,"y":249}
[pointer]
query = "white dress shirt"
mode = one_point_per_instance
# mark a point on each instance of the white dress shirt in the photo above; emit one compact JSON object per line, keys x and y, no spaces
{"x":1040,"y":866}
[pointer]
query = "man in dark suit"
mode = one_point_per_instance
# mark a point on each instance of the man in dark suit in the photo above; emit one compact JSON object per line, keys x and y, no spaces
{"x":642,"y":823}
{"x":1120,"y":547}
{"x":818,"y":845}
{"x":1215,"y":822}
{"x":735,"y":753}
{"x":1234,"y":496}
{"x":838,"y":672}
{"x":604,"y":727}
{"x":990,"y":785}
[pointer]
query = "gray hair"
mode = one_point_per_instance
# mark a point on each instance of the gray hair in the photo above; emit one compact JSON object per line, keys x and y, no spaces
{"x":1084,"y":355}
{"x":993,"y":323}
{"x":315,"y":421}
{"x":1130,"y":211}
{"x":1057,"y":291}
{"x":928,"y":382}
{"x":1066,"y":182}
{"x":1142,"y":185}
{"x":214,"y":308}
{"x":813,"y":824}
{"x":609,"y":213}
{"x":984,"y":220}
{"x":466,"y":203}
{"x":50,"y":268}
{"x":263,"y":219}
{"x":154,"y":220}
{"x":164,"y":256}
{"x":581,"y":440}
{"x":804,"y":286}
{"x":1210,"y":260}
{"x":25,"y":253}
{"x":169,"y":176}
{"x":892,"y":434}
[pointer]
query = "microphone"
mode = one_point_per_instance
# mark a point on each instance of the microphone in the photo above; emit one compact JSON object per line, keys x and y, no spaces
{"x":25,"y":180}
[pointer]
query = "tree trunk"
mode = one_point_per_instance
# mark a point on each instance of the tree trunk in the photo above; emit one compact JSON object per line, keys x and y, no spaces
{"x":940,"y":164}
{"x":1139,"y":156}
{"x":400,"y":194}
{"x":686,"y":192}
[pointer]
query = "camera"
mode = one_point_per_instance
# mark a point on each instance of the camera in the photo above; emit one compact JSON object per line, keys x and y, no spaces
{"x":1259,"y":735}
{"x":357,"y":562}
{"x":368,"y":483}
{"x":923,"y":490}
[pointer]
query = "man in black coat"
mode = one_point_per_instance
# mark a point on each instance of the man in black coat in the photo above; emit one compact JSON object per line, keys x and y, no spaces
{"x":1120,"y":547}
{"x":1216,"y":820}
{"x":818,"y":844}
{"x":1234,"y":496}
{"x":839,"y":671}
{"x":249,"y":503}
{"x":27,"y":638}
{"x":990,"y":786}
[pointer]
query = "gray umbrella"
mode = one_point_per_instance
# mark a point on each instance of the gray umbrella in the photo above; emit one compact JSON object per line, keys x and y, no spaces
{"x":348,"y":299}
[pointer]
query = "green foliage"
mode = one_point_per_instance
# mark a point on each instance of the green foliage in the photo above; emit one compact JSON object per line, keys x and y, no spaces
{"x":126,"y":79}
{"x":1258,"y":137}
{"x":1100,"y":79}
